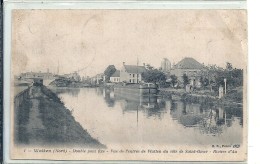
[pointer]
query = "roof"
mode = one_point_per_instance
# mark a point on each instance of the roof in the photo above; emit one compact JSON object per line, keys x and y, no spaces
{"x":189,"y":63}
{"x":134,"y":69}
{"x":116,"y":74}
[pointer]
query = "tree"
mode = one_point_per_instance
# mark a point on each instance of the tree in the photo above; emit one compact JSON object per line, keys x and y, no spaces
{"x":109,"y":72}
{"x":185,"y":79}
{"x":204,"y":81}
{"x":154,"y":76}
{"x":229,"y":66}
{"x":149,"y":67}
{"x":174,"y":80}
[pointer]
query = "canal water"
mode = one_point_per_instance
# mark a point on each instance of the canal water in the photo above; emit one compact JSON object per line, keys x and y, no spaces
{"x":130,"y":119}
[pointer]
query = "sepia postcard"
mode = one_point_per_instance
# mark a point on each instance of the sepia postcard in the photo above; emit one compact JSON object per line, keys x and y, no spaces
{"x":136,"y":85}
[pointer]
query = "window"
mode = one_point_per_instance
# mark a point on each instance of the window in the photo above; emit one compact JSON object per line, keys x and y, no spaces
{"x":130,"y":80}
{"x":133,"y":75}
{"x":130,"y":74}
{"x":133,"y":80}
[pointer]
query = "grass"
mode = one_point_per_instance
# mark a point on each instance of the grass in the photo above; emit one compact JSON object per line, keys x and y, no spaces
{"x":22,"y":118}
{"x":59,"y":126}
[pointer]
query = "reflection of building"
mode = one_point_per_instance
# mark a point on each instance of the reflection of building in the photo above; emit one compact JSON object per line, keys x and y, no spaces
{"x":115,"y":78}
{"x":189,"y":115}
{"x":191,"y":68}
{"x":109,"y":98}
{"x":166,"y":65}
{"x":131,"y":73}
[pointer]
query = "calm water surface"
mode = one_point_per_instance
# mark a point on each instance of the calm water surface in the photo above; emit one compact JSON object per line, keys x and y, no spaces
{"x":129,"y":119}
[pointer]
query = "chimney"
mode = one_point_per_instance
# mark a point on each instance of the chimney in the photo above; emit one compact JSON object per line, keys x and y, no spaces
{"x":123,"y":63}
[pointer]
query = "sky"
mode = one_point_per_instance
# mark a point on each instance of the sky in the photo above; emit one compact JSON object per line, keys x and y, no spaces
{"x":94,"y":39}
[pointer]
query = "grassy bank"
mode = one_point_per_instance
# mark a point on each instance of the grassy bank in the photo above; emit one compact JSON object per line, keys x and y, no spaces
{"x":231,"y":98}
{"x":21,"y":121}
{"x":58,"y":126}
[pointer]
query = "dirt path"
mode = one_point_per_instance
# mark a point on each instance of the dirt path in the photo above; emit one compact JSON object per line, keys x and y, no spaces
{"x":35,"y":125}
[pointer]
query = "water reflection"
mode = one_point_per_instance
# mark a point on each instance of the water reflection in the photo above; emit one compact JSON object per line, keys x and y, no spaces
{"x":109,"y":97}
{"x":208,"y":119}
{"x":74,"y":92}
{"x":166,"y":120}
{"x":151,"y":106}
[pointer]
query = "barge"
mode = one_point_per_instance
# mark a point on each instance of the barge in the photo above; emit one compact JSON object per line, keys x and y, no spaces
{"x":136,"y":89}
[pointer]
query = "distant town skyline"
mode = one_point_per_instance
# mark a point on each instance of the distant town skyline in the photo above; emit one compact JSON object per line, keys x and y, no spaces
{"x":72,"y":40}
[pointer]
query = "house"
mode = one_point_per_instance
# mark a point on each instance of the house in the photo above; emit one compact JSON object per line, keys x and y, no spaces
{"x":115,"y":78}
{"x":72,"y":76}
{"x":131,"y":73}
{"x":192,"y":68}
{"x":97,"y":79}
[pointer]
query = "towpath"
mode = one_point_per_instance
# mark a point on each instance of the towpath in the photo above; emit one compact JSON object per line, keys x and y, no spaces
{"x":35,"y":125}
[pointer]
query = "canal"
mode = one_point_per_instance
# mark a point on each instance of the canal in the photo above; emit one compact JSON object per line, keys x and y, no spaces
{"x":125,"y":119}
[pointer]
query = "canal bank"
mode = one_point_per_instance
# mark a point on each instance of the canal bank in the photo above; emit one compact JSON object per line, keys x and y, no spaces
{"x":42,"y":119}
{"x":234,"y":98}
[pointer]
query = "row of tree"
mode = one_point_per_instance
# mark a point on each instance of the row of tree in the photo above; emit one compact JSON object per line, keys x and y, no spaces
{"x":211,"y":76}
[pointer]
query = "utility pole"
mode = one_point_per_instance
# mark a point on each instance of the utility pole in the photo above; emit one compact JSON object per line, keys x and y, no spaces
{"x":225,"y":81}
{"x":58,"y":69}
{"x":137,"y":71}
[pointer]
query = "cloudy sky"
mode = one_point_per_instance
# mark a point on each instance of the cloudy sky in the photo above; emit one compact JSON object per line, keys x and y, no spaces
{"x":94,"y":39}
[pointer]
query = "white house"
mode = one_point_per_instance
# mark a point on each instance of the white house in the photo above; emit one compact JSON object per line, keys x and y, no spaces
{"x":115,"y":78}
{"x":131,"y":73}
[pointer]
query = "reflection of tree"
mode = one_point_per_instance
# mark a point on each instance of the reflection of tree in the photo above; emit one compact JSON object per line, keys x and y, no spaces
{"x":130,"y":106}
{"x":233,"y":111}
{"x":157,"y":108}
{"x":189,"y":115}
{"x":99,"y":91}
{"x":184,"y":109}
{"x":154,"y":112}
{"x":218,"y":119}
{"x":209,"y":119}
{"x":209,"y":124}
